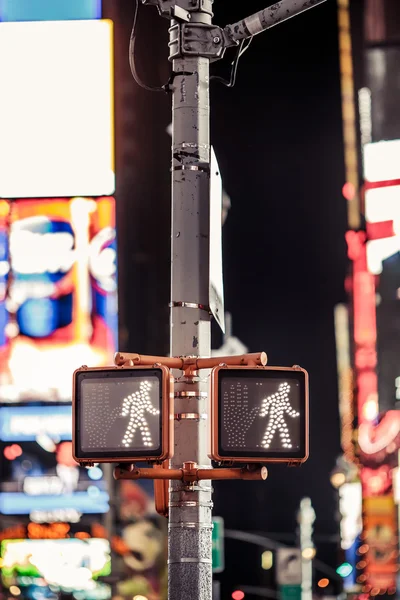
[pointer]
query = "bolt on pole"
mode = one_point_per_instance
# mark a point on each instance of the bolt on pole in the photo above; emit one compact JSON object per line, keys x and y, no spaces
{"x":190,"y":519}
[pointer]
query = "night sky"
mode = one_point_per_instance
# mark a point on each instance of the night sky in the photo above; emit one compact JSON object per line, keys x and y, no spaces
{"x":278,"y":139}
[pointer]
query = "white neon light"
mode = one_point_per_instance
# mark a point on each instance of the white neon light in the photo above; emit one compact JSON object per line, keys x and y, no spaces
{"x":382,"y":204}
{"x":60,"y":515}
{"x":364,"y":103}
{"x":43,"y":486}
{"x":351,"y":512}
{"x":34,"y":425}
{"x":66,"y":563}
{"x":48,"y":252}
{"x":369,"y":445}
{"x":382,"y":161}
{"x":277,"y":405}
{"x":56,"y":109}
{"x":380,"y":250}
{"x":136,"y":405}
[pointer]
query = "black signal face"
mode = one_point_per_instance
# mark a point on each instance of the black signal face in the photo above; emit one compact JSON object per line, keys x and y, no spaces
{"x":261,"y":415}
{"x":119,"y":414}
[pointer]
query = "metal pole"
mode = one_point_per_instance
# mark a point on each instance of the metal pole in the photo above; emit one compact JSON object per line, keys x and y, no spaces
{"x":267,"y":18}
{"x":190,"y":519}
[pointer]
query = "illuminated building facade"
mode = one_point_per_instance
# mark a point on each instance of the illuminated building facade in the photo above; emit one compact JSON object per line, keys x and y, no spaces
{"x":58,"y":288}
{"x":369,"y":367}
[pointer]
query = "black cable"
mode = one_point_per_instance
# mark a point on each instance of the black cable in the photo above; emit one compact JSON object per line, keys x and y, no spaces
{"x":132,"y":62}
{"x":234,"y":65}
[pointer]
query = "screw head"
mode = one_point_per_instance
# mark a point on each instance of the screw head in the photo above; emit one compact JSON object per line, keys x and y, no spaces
{"x":216,"y":39}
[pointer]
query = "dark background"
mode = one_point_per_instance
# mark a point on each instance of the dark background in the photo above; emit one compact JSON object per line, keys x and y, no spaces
{"x":278,"y":139}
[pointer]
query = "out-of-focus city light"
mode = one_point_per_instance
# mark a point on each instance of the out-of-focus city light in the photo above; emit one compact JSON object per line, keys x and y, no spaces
{"x":95,"y":473}
{"x":308,"y":553}
{"x":76,"y":157}
{"x":12,"y":452}
{"x":238,"y":595}
{"x":350,"y":505}
{"x":338,"y":479}
{"x":15,"y":590}
{"x":323,"y":583}
{"x":38,"y":10}
{"x":382,"y":204}
{"x":348,"y":191}
{"x":46,"y":443}
{"x":382,"y":161}
{"x":344,"y":570}
{"x":370,"y":409}
{"x":267,"y":560}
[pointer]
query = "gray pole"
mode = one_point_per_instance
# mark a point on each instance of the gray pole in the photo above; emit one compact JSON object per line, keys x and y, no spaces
{"x":190,"y":519}
{"x":191,"y":48}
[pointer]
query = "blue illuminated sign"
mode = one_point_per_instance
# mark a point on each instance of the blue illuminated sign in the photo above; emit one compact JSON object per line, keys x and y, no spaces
{"x":49,"y":10}
{"x":84,"y":502}
{"x":26,"y":423}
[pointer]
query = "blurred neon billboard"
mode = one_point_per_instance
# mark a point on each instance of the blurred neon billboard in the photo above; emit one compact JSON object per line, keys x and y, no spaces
{"x":49,"y":10}
{"x":56,"y":109}
{"x":19,"y":503}
{"x":37,"y":478}
{"x":69,"y":563}
{"x":61,"y":302}
{"x":26,"y":423}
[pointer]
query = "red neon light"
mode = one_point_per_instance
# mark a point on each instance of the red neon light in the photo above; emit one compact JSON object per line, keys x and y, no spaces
{"x":371,"y":185}
{"x":377,"y":231}
{"x":349,"y":191}
{"x":238,"y":595}
{"x":364,"y":324}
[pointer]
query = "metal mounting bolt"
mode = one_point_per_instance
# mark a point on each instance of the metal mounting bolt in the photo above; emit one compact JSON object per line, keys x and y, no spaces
{"x":216,"y":39}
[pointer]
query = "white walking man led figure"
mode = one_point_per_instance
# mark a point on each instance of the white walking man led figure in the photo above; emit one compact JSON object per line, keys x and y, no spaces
{"x":278,"y":405}
{"x":136,"y":406}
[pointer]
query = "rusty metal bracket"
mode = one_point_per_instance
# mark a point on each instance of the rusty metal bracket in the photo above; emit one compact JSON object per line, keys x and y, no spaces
{"x":190,"y":473}
{"x":190,"y":364}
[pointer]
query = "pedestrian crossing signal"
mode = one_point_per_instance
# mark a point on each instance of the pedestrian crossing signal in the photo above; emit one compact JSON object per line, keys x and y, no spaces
{"x":259,"y":414}
{"x":122,"y":414}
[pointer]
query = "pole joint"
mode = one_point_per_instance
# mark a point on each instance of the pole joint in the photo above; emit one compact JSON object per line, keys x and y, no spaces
{"x":194,"y":40}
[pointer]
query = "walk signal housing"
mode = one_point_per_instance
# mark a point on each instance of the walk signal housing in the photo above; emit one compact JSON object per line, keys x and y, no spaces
{"x":122,"y":414}
{"x":259,"y":414}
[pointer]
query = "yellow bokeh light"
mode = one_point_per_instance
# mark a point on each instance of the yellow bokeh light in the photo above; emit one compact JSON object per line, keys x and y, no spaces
{"x":308,"y":553}
{"x":267,"y":560}
{"x":15,"y":590}
{"x":338,"y":479}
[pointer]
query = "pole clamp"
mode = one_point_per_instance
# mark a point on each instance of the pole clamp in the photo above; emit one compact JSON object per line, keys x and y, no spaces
{"x":194,"y":305}
{"x":194,"y":40}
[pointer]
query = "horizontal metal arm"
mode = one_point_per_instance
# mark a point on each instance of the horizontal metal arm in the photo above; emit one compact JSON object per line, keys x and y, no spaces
{"x":265,"y":19}
{"x":190,"y":473}
{"x":195,"y":363}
